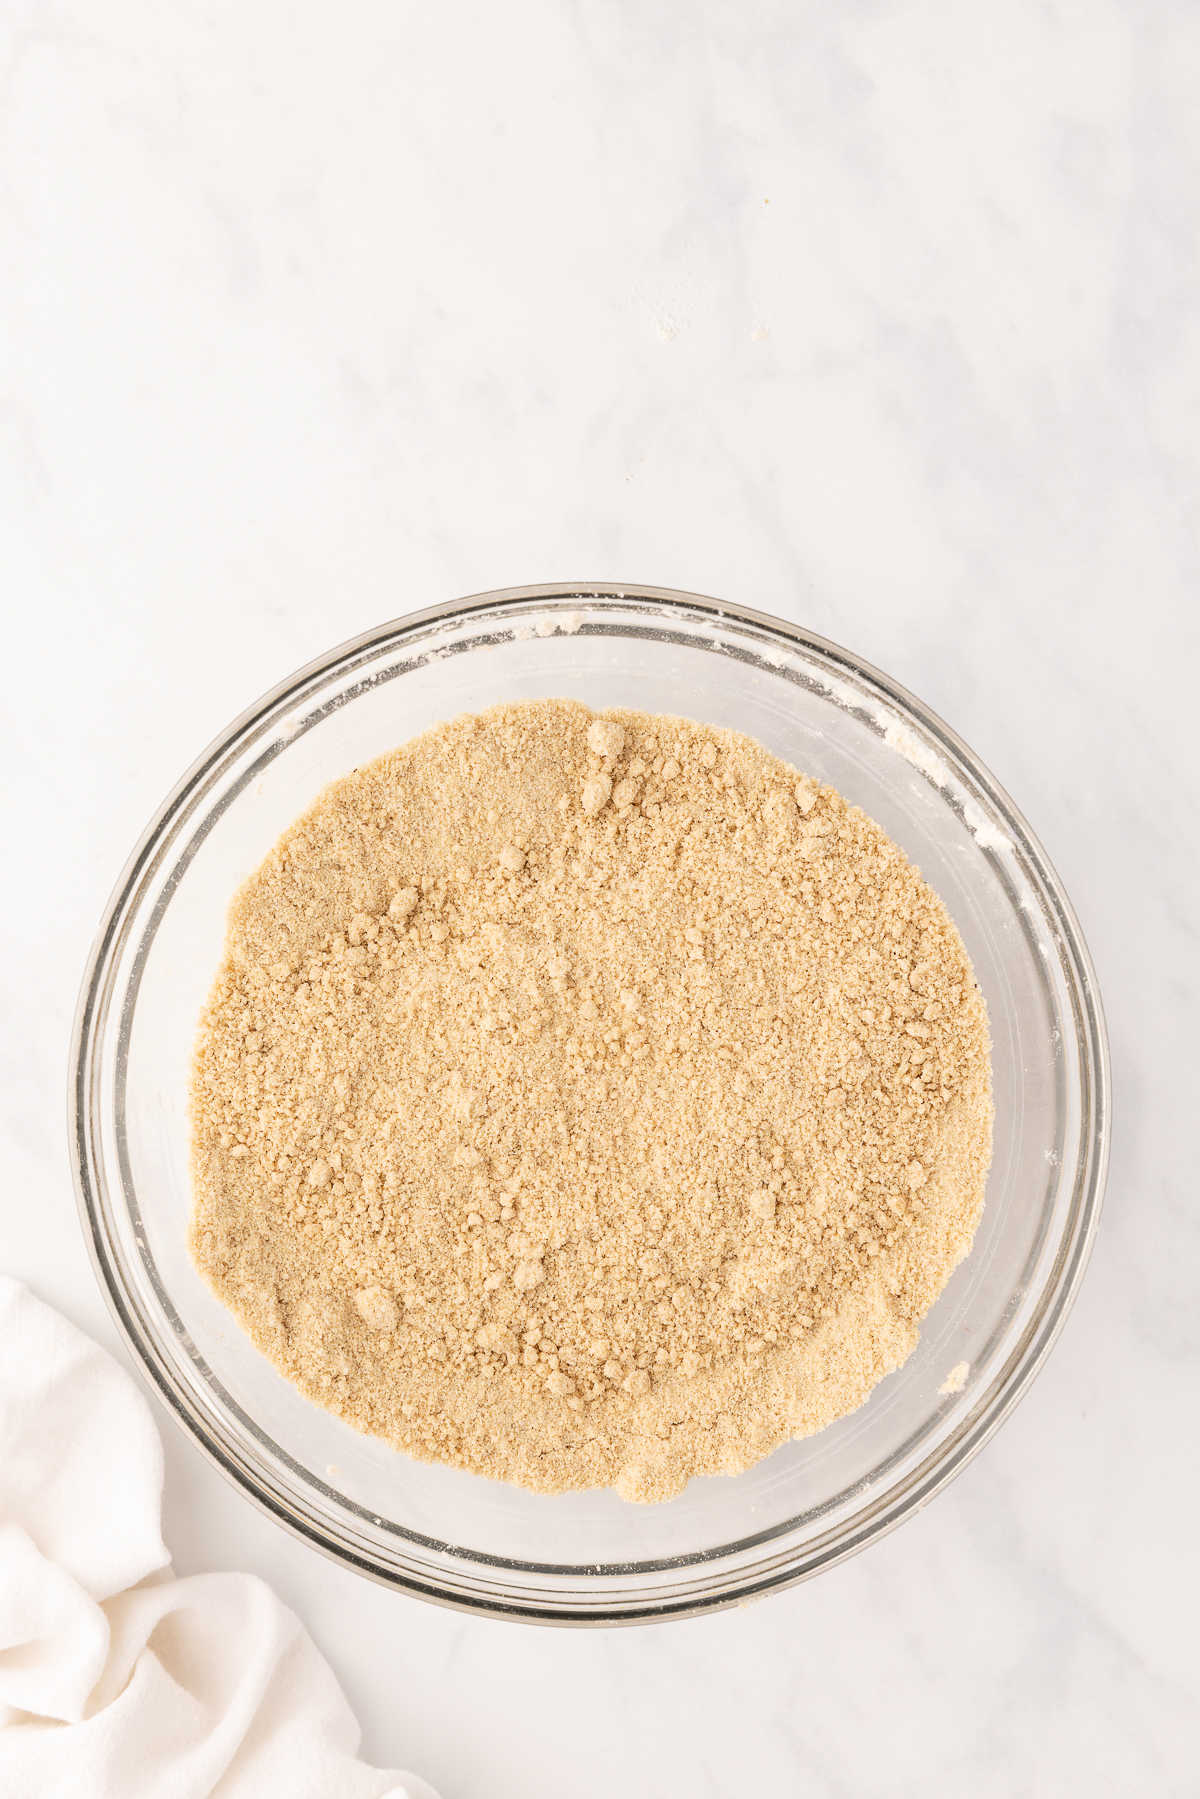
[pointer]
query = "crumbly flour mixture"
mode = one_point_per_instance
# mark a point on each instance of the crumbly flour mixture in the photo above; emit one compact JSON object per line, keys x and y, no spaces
{"x":587,"y":1100}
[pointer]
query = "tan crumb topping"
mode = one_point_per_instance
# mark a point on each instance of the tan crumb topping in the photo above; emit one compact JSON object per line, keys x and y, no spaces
{"x":587,"y":1100}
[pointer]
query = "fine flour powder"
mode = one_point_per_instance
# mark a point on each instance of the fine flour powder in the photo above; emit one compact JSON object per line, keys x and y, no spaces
{"x":587,"y":1100}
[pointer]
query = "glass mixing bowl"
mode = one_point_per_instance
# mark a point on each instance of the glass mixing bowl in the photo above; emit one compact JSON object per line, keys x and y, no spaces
{"x":590,"y":1558}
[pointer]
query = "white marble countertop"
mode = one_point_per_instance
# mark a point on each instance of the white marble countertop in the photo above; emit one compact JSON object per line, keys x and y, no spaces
{"x":881,"y":317}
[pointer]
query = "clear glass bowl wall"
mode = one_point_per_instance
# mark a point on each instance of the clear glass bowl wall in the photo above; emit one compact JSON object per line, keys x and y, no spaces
{"x":455,"y":1537}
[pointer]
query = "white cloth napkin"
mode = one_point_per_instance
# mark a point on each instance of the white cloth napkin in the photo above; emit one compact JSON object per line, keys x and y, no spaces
{"x":118,"y":1680}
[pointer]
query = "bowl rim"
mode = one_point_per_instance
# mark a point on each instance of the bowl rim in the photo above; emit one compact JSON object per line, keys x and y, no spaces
{"x":791,"y":1563}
